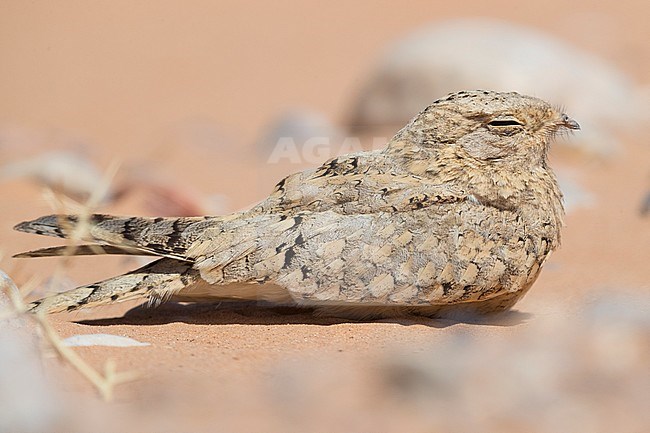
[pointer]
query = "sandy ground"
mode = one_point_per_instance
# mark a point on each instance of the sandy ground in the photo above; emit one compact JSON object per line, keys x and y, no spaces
{"x":134,"y":82}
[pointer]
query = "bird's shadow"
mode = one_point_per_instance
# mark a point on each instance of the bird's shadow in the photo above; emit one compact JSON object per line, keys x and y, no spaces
{"x":260,"y":313}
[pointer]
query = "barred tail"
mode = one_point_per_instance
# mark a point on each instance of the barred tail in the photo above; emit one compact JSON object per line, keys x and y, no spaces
{"x":156,"y":282}
{"x":82,"y":250}
{"x":166,"y":237}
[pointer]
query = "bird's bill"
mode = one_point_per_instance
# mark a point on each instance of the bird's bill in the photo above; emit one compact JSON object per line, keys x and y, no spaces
{"x":569,"y":123}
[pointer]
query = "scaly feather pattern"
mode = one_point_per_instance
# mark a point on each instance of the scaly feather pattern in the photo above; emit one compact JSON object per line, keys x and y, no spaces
{"x":459,"y":212}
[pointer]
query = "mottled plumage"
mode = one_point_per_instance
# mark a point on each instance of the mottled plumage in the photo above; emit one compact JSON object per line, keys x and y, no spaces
{"x":459,"y":212}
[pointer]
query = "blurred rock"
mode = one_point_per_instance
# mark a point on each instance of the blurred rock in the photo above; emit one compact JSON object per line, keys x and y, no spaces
{"x":645,"y":205}
{"x":27,"y":401}
{"x":496,"y":55}
{"x":66,"y":172}
{"x":108,"y":340}
{"x":73,"y":175}
{"x":18,"y":141}
{"x":300,"y":136}
{"x":162,"y":194}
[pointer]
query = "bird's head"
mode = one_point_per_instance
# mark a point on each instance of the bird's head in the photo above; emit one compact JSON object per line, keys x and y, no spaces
{"x":491,"y":126}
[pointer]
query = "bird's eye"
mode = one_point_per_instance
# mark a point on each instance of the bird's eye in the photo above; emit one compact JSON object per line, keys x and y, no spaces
{"x":505,"y":122}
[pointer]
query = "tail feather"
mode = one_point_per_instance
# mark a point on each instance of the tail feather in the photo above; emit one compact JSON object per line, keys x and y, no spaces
{"x":166,"y":237}
{"x":82,"y":250}
{"x":156,"y":281}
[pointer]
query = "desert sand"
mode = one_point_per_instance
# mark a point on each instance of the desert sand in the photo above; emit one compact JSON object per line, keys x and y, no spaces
{"x":182,"y":93}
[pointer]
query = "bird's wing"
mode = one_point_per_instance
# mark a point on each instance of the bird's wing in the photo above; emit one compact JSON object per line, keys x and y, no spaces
{"x":362,"y":183}
{"x":333,"y":198}
{"x":433,"y":255}
{"x":358,"y":183}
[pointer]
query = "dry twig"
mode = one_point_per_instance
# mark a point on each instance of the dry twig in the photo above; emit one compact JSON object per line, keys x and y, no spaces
{"x":104,"y":382}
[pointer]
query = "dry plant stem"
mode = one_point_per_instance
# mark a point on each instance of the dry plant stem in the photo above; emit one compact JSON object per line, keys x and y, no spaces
{"x":62,"y":204}
{"x":99,"y":194}
{"x":103,"y":383}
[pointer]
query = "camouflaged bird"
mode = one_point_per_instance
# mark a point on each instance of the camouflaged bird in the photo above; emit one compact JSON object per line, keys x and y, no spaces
{"x":458,"y":213}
